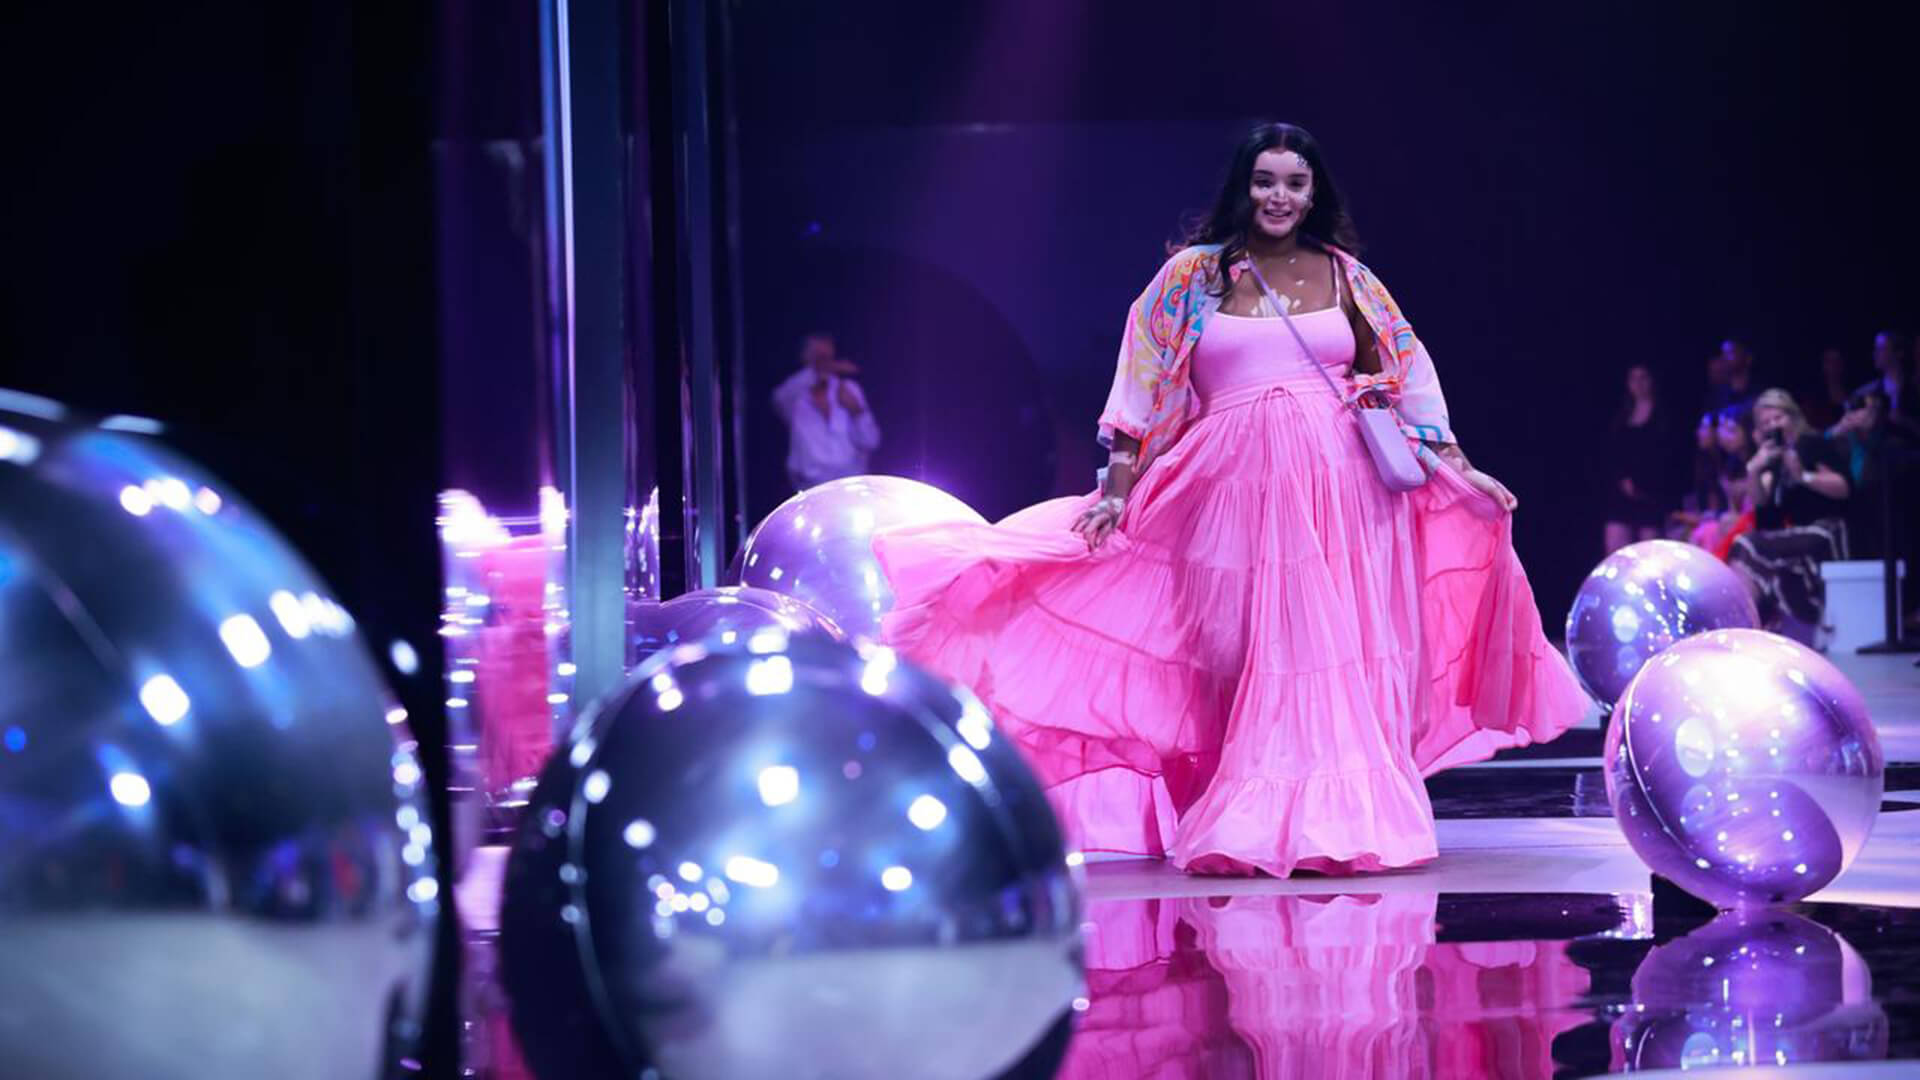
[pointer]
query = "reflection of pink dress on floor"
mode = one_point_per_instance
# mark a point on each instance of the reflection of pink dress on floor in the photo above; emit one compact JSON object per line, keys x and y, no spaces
{"x":1259,"y":667}
{"x":514,"y":665}
{"x":1282,"y":987}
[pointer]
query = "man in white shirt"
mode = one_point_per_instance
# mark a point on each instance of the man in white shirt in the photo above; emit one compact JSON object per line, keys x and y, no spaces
{"x":833,"y":431}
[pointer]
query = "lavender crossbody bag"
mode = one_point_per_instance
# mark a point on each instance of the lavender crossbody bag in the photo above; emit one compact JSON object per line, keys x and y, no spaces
{"x":1379,"y":428}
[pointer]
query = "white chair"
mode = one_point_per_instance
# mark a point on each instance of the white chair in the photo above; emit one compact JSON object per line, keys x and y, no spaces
{"x":1856,"y":604}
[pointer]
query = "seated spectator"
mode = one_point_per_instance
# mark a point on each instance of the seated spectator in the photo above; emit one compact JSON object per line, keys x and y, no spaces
{"x":1702,"y":499}
{"x":1733,"y":513}
{"x":1800,"y":489}
{"x":1730,"y":376}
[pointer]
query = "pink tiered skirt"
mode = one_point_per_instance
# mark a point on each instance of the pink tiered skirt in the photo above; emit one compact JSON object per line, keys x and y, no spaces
{"x":1256,"y":671}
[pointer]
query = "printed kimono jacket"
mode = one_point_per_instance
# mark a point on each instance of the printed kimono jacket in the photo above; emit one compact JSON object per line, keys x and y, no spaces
{"x":1152,"y":399}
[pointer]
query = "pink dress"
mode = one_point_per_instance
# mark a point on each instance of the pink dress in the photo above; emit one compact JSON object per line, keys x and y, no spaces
{"x":1258,"y":667}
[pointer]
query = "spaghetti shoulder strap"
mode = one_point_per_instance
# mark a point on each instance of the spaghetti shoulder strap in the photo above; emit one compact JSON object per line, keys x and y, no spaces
{"x":1305,"y":349}
{"x":1334,"y":262}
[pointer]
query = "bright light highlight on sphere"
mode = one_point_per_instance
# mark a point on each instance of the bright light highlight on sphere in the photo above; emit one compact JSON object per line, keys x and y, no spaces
{"x":640,"y":834}
{"x":164,"y":700}
{"x":130,"y":789}
{"x":246,"y":641}
{"x":291,"y":613}
{"x":927,"y":813}
{"x":967,"y":765}
{"x":779,"y":784}
{"x":746,"y":870}
{"x":773,"y":675}
{"x":406,"y":660}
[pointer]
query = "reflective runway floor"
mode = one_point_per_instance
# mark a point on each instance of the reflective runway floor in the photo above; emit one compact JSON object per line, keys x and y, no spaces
{"x":1536,"y":946}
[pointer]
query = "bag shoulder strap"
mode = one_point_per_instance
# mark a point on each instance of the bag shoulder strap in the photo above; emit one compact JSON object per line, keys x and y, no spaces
{"x":1306,"y":349}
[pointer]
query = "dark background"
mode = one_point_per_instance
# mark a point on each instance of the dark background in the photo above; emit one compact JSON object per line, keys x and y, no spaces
{"x":221,"y":215}
{"x":201,"y":226}
{"x":972,"y":195}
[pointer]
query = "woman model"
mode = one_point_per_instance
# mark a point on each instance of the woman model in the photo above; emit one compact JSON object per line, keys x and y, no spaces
{"x":1245,"y":652}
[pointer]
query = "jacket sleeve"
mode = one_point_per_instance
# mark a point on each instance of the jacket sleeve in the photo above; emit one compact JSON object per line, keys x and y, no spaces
{"x":1423,"y":406}
{"x":1420,"y":405}
{"x":1147,"y":348}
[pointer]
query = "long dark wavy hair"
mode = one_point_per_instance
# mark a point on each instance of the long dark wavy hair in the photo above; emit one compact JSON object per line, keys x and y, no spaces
{"x":1328,"y":224}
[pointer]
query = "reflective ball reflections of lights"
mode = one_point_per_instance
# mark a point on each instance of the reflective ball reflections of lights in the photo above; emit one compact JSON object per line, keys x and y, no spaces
{"x":643,"y":550}
{"x":214,"y":855}
{"x":818,"y":546}
{"x":1640,"y":600}
{"x":1751,"y":988}
{"x":726,"y":615}
{"x":788,"y":857}
{"x":1743,"y":767}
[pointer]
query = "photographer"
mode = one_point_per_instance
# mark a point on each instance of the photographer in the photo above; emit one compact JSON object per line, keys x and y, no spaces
{"x":1800,"y":492}
{"x":832,"y":432}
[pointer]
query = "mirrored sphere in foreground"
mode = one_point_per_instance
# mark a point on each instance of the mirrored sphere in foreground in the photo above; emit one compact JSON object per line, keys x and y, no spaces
{"x":214,"y":856}
{"x":1640,"y":600}
{"x":789,"y":857}
{"x":818,"y":546}
{"x":1743,"y":767}
{"x":643,"y":549}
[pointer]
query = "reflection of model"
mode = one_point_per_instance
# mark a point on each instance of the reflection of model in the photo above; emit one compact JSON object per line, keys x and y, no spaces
{"x":1248,"y":660}
{"x":1317,"y":987}
{"x":832,"y":429}
{"x":1695,"y":998}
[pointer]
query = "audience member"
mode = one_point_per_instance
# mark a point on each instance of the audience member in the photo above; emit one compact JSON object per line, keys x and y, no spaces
{"x":1640,"y":485}
{"x":1828,"y":392}
{"x":1737,"y":387}
{"x":1733,"y":446}
{"x":1799,"y":487}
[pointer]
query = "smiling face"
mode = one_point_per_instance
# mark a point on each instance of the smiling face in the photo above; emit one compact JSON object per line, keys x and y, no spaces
{"x":1282,"y":192}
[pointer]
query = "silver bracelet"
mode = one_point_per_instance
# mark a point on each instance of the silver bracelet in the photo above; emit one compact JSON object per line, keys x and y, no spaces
{"x":1117,"y":504}
{"x":1121,"y":457}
